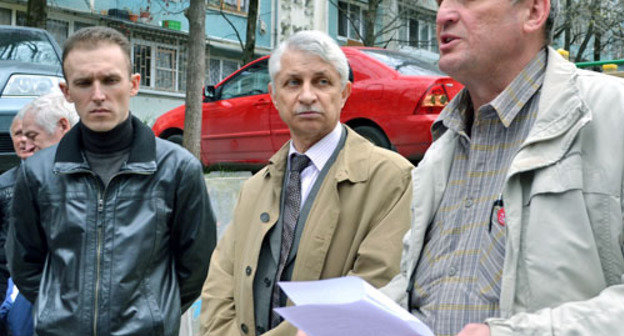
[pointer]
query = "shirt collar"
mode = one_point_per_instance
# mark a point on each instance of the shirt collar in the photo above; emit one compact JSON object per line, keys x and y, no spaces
{"x":453,"y":116}
{"x":321,"y":151}
{"x":507,"y":104}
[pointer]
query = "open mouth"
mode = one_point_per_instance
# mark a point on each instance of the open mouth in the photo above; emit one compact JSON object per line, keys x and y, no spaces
{"x":447,"y":42}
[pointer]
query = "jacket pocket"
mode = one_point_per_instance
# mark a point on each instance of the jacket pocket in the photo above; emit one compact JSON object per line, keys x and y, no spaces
{"x":567,"y":174}
{"x":559,"y":257}
{"x":51,"y":317}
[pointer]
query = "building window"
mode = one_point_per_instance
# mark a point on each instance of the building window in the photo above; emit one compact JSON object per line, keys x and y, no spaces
{"x":350,"y":20}
{"x":20,"y":18}
{"x":5,"y":16}
{"x":58,"y":29}
{"x":217,"y":69}
{"x":79,"y":25}
{"x":166,"y":68}
{"x":240,"y":6}
{"x":182,"y":62}
{"x":143,"y":63}
{"x":423,"y":36}
{"x":417,"y":32}
{"x":158,"y":66}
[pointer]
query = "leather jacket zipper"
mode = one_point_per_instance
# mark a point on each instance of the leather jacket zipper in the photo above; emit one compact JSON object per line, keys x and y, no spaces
{"x":100,"y":224}
{"x":100,"y":209}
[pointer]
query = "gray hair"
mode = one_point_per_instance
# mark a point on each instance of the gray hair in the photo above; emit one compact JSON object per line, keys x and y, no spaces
{"x":18,"y":117}
{"x":312,"y":42}
{"x":49,"y":109}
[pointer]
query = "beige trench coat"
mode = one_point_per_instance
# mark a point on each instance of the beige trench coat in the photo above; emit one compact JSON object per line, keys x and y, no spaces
{"x":355,"y":227}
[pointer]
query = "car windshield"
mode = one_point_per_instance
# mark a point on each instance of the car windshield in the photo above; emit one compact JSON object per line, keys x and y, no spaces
{"x":404,"y":63}
{"x":27,"y":46}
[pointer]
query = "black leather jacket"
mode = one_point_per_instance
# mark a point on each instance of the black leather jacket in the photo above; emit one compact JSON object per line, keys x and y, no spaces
{"x":126,"y":259}
{"x":7,"y":181}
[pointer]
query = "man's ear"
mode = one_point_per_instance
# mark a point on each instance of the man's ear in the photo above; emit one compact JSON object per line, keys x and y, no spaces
{"x":537,"y":13}
{"x":346,"y":92}
{"x":135,"y":83}
{"x":63,"y":125}
{"x":271,"y":93}
{"x":65,"y":89}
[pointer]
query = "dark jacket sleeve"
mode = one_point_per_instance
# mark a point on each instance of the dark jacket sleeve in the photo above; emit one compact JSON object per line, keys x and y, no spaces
{"x":193,"y":232}
{"x":26,"y":246}
{"x":7,"y":181}
{"x":5,"y":203}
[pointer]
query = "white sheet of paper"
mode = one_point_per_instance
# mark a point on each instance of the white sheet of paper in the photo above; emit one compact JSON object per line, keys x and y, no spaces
{"x":347,"y":306}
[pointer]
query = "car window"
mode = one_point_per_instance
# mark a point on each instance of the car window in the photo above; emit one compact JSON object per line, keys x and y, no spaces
{"x":403,"y":63}
{"x":28,"y":47}
{"x":252,"y":80}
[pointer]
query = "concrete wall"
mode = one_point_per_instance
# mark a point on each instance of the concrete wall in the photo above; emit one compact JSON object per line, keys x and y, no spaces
{"x":223,"y":189}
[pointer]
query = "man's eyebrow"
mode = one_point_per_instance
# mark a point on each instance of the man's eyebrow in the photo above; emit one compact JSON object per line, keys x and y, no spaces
{"x":292,"y":74}
{"x":321,"y":73}
{"x":299,"y":74}
{"x":81,"y":79}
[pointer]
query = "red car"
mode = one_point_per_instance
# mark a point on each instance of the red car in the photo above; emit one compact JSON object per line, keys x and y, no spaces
{"x":395,"y":98}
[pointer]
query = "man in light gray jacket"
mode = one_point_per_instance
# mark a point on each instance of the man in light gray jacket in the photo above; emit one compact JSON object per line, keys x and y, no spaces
{"x":517,"y":226}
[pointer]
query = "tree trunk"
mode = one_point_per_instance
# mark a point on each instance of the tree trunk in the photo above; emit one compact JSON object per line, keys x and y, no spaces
{"x":369,"y":23}
{"x":581,"y":49}
{"x":568,"y":25}
{"x":250,"y":37}
{"x":597,"y":46}
{"x":36,"y":13}
{"x":196,"y":14}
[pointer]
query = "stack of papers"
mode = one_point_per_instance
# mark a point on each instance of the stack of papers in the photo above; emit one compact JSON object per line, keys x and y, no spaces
{"x":347,"y":306}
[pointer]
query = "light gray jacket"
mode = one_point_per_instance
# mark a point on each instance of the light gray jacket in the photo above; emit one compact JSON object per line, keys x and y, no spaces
{"x":564,"y":264}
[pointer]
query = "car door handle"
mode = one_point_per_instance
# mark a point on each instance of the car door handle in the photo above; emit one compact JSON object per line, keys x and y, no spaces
{"x":261,"y":103}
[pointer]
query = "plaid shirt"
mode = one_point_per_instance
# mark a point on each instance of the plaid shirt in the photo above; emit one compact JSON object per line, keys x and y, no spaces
{"x":458,"y":277}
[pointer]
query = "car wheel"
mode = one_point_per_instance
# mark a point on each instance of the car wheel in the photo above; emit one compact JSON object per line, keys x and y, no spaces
{"x":373,"y":135}
{"x":176,"y":139}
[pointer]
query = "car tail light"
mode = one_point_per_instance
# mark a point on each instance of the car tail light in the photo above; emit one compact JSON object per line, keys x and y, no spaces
{"x":435,"y":99}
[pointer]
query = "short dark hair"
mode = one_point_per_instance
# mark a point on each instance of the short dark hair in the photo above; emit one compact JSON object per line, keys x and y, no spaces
{"x":91,"y":37}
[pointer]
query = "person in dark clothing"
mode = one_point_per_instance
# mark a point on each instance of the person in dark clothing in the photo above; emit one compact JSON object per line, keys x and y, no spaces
{"x":112,"y":229}
{"x":7,"y":180}
{"x":39,"y":124}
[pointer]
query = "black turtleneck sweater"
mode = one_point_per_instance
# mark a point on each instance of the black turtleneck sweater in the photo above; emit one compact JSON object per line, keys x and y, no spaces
{"x":107,"y":151}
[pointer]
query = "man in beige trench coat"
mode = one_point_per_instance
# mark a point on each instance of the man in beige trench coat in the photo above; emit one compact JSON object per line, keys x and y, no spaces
{"x":354,"y":204}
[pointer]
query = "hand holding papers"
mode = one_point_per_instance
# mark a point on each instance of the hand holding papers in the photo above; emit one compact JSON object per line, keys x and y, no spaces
{"x":347,"y":306}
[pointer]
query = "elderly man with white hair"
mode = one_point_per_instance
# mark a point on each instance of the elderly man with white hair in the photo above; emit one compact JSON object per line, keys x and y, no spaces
{"x":46,"y":119}
{"x":328,"y":204}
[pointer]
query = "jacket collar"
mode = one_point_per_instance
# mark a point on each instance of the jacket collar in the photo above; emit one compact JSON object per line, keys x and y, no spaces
{"x":561,"y":114}
{"x":350,"y":162}
{"x":70,"y":158}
